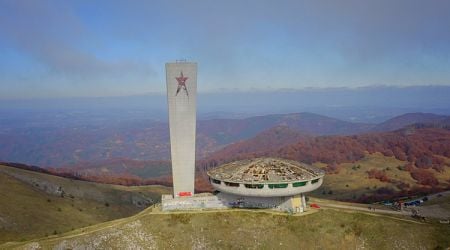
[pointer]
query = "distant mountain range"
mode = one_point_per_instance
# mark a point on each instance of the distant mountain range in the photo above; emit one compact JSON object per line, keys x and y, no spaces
{"x":146,"y":140}
{"x":411,"y":118}
{"x":225,"y":131}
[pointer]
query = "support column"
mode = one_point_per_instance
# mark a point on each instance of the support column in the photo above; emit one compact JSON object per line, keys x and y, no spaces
{"x":303,"y":202}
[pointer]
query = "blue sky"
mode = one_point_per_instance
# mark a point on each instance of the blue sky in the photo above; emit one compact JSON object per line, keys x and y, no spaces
{"x":114,"y":48}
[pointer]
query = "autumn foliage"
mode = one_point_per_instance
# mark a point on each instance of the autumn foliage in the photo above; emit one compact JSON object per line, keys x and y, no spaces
{"x":424,"y":177}
{"x":378,"y":174}
{"x":422,"y":147}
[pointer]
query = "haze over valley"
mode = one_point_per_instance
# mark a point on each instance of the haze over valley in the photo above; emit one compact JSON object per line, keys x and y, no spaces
{"x":110,"y":140}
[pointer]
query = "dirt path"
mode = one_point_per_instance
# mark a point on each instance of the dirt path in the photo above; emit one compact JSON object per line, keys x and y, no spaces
{"x":427,"y":210}
{"x":376,"y":212}
{"x":373,"y":210}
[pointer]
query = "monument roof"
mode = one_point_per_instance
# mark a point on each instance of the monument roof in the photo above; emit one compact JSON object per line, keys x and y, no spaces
{"x":265,"y":170}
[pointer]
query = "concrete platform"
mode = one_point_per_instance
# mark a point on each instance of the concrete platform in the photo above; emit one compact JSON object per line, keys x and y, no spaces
{"x":290,"y":204}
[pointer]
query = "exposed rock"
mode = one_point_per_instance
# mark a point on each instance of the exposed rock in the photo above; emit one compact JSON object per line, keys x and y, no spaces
{"x":130,"y":236}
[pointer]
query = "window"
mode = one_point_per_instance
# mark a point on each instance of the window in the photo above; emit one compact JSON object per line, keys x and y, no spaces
{"x":315,"y":181}
{"x":258,"y":186}
{"x":215,"y":181}
{"x":299,"y":184}
{"x":231,"y":184}
{"x":279,"y":185}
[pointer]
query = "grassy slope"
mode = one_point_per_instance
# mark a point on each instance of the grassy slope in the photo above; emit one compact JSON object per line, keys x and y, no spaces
{"x":28,"y":212}
{"x":358,"y":181}
{"x":326,"y":229}
{"x":442,"y":201}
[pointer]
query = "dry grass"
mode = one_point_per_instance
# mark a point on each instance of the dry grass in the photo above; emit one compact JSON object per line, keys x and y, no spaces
{"x":353,"y":181}
{"x":326,"y":229}
{"x":27,"y":212}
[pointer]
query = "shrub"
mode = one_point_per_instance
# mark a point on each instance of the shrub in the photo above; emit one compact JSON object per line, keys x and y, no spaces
{"x":332,"y":169}
{"x":377,"y":174}
{"x":181,"y":218}
{"x":424,"y":177}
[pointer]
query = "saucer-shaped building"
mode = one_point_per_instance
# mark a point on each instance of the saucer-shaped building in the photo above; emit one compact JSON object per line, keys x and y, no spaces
{"x":266,"y":183}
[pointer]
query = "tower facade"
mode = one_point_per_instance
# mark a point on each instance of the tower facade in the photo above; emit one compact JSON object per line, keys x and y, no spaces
{"x":181,"y":81}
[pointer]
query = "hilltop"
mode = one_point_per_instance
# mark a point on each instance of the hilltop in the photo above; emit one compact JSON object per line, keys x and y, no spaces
{"x":245,"y":229}
{"x":78,"y":217}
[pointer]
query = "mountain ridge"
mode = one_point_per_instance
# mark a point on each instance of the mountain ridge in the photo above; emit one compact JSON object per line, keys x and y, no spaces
{"x":401,"y":121}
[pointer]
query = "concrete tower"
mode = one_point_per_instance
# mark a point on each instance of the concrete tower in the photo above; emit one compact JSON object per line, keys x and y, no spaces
{"x":181,"y":80}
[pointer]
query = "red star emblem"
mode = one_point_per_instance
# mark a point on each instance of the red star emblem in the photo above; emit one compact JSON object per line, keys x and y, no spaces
{"x":181,"y":83}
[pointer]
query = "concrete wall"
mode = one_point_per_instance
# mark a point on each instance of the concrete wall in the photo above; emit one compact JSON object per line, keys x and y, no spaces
{"x":266,"y":191}
{"x":191,"y":203}
{"x":182,"y":123}
{"x":292,"y":204}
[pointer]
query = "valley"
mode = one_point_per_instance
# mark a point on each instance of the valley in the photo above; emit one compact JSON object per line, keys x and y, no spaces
{"x":70,"y":145}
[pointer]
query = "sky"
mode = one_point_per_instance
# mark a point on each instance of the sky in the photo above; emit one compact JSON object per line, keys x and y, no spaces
{"x":58,"y":49}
